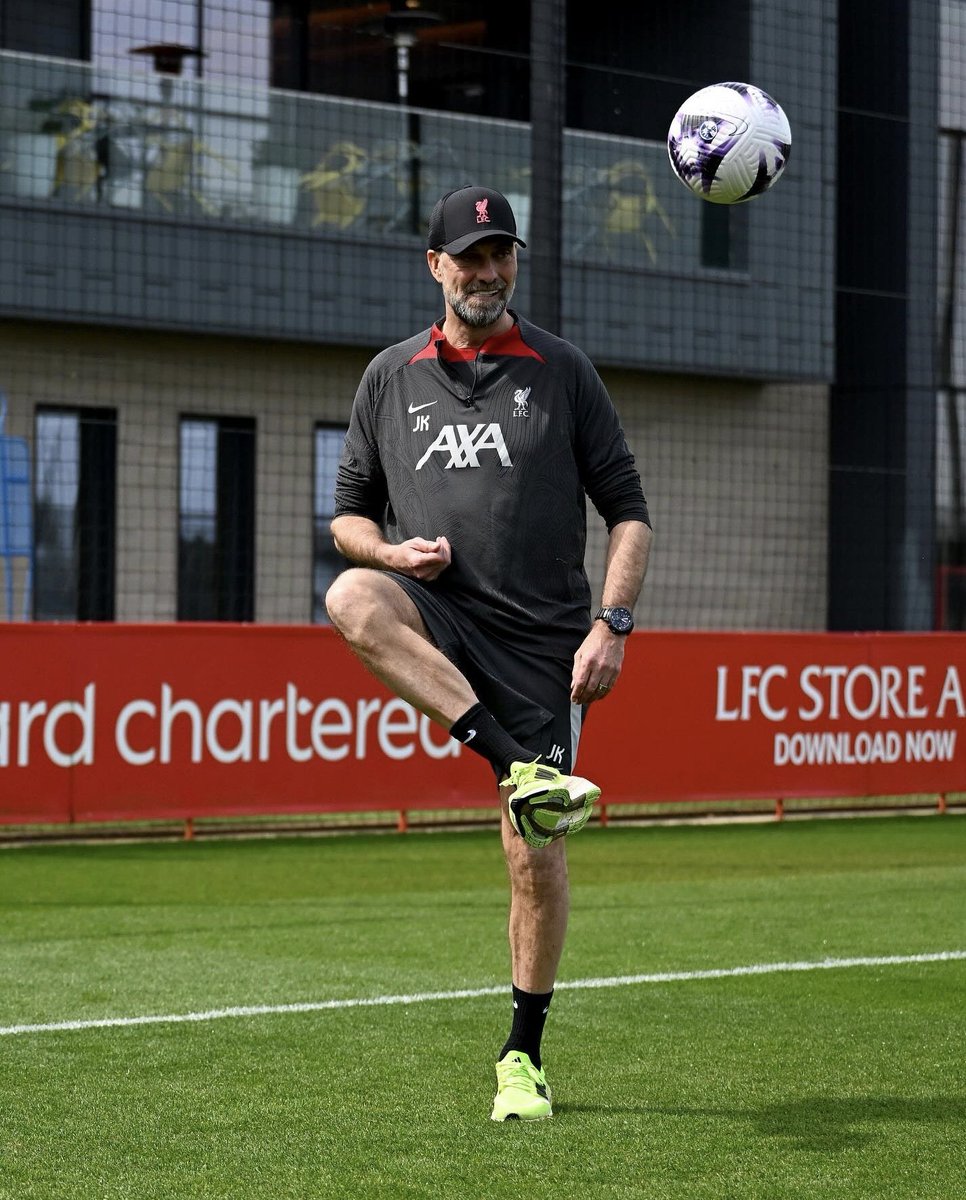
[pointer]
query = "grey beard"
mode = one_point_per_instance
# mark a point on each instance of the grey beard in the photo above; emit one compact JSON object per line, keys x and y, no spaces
{"x":478,"y":316}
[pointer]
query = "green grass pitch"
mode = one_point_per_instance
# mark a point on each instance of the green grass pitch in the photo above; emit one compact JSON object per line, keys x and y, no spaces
{"x":843,"y":1082}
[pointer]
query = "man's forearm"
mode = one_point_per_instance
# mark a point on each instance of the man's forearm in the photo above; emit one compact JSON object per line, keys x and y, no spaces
{"x":628,"y":549}
{"x":363,"y":542}
{"x":360,"y":540}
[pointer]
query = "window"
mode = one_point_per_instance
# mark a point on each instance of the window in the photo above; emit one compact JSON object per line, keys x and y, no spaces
{"x":628,"y":65}
{"x":75,"y":489}
{"x":472,"y":60}
{"x":233,"y":35}
{"x":56,"y":27}
{"x":724,"y":236}
{"x":327,"y":562}
{"x":216,"y":520}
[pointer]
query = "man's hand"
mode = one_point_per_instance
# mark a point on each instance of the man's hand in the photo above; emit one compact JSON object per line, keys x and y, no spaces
{"x":597,"y":664}
{"x":420,"y":558}
{"x":363,"y":542}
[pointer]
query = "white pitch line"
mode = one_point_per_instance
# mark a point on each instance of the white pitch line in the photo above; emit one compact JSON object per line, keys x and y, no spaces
{"x":612,"y":981}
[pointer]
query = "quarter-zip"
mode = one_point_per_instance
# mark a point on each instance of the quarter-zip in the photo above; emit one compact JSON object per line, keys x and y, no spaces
{"x":493,"y":436}
{"x":461,"y":377}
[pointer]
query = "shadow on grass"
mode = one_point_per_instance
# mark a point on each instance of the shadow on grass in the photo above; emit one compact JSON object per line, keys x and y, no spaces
{"x":614,"y":1110}
{"x":830,"y":1125}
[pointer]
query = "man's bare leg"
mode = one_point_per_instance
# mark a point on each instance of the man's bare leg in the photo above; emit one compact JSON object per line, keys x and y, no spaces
{"x":384,"y":629}
{"x":539,"y":907}
{"x":539,"y":901}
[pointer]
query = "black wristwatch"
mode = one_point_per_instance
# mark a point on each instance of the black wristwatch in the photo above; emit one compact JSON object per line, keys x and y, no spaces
{"x":617,"y":620}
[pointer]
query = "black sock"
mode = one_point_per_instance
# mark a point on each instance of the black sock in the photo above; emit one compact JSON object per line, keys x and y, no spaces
{"x":529,"y":1018}
{"x":478,"y":729}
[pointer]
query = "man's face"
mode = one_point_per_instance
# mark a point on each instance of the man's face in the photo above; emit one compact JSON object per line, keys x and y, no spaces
{"x":478,"y":283}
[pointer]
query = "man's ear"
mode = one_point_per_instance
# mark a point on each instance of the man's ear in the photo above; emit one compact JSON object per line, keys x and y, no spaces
{"x":432,"y":260}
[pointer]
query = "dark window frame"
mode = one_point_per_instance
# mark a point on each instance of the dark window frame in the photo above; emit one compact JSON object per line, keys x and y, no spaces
{"x":82,"y":29}
{"x":92,"y":592}
{"x":218,"y":583}
{"x":327,"y":563}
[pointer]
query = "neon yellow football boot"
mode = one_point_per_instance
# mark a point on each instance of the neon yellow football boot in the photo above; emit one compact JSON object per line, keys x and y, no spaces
{"x":522,"y":1093}
{"x":545,"y":804}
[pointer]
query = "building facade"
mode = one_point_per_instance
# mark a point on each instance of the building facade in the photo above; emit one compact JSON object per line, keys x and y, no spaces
{"x":197,"y":266}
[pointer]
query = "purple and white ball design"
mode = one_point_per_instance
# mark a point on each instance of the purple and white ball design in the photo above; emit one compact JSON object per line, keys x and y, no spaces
{"x":729,"y":142}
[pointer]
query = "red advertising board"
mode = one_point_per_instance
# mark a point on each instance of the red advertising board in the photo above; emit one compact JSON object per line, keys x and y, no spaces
{"x":108,"y":722}
{"x":777,"y":715}
{"x":116,"y":722}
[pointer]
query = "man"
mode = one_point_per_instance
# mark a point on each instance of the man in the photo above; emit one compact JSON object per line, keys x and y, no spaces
{"x":461,"y":497}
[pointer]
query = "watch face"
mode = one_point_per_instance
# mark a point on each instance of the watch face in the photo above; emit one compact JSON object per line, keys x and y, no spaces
{"x":621,"y":620}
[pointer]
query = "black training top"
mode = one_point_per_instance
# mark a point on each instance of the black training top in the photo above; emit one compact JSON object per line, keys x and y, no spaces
{"x":495,"y":452}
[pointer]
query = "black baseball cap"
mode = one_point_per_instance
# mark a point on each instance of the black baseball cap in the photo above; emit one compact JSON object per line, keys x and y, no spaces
{"x":468,"y":215}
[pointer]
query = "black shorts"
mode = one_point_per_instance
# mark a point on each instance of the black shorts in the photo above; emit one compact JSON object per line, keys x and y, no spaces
{"x":528,"y":694}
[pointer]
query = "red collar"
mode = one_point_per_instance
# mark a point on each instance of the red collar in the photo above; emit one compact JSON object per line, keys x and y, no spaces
{"x":507,"y":345}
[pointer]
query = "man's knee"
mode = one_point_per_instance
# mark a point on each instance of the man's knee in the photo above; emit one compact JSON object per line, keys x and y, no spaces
{"x":365,"y":605}
{"x":537,"y":873}
{"x":352,"y":599}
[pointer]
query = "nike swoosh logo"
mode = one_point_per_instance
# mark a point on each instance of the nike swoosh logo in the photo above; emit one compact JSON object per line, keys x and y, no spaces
{"x":416,"y":407}
{"x":472,"y":733}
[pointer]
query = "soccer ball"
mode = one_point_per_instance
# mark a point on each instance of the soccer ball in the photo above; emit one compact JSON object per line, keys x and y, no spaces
{"x":729,"y":142}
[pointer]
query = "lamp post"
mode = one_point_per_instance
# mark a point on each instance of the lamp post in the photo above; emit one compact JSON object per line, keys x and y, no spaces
{"x":548,"y":90}
{"x":168,"y":61}
{"x":402,"y":26}
{"x":168,"y":58}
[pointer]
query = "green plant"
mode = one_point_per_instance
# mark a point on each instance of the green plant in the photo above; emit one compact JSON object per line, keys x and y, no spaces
{"x":63,"y":115}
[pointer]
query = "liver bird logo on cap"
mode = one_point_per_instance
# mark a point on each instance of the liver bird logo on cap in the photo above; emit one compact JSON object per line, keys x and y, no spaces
{"x":482,"y":216}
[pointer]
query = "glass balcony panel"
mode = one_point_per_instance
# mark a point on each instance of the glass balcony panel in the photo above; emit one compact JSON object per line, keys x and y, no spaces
{"x":182,"y":149}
